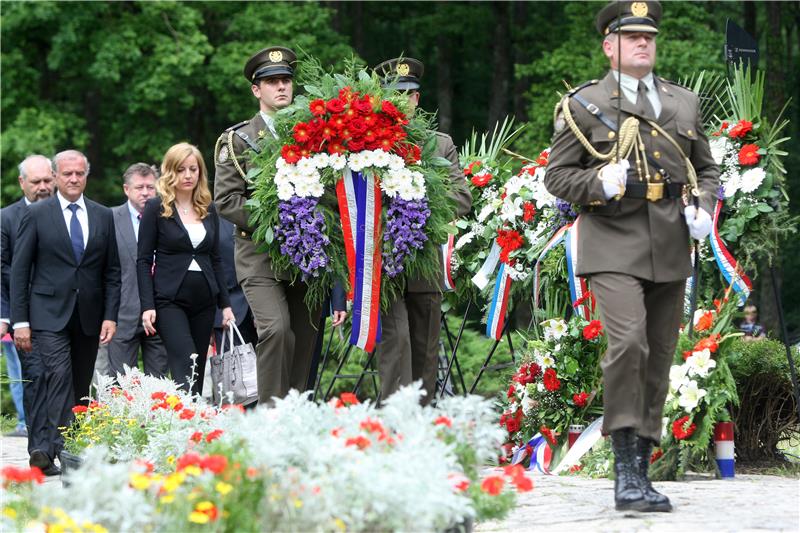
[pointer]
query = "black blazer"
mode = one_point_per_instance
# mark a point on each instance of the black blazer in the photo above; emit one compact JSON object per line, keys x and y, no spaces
{"x":10,"y":217}
{"x":168,"y":240}
{"x":47,"y":282}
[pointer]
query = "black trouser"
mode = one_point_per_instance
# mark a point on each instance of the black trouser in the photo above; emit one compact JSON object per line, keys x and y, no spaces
{"x":34,"y":400}
{"x":185,"y":325}
{"x":67,"y":360}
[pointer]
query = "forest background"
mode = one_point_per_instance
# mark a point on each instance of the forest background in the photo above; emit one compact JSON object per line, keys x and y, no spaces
{"x":123,"y":81}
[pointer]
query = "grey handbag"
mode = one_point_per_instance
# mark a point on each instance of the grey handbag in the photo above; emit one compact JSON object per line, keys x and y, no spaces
{"x":233,"y":370}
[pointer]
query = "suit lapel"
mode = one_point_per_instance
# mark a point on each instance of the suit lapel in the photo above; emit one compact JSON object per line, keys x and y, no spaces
{"x":93,"y":216}
{"x":61,"y":229}
{"x":126,"y":231}
{"x":669,"y":104}
{"x":177,"y":218}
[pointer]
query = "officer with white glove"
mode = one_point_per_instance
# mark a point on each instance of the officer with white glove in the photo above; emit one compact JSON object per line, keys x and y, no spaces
{"x":699,"y":222}
{"x":614,"y":176}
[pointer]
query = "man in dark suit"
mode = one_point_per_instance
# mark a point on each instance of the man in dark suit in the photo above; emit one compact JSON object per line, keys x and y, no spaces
{"x":139,"y":184}
{"x":65,"y":283}
{"x":37,"y":182}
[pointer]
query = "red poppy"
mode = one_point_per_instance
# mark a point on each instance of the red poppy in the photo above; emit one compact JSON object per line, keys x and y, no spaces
{"x":748,"y":155}
{"x":16,"y":474}
{"x":580,"y":399}
{"x":742,"y":128}
{"x":550,"y":380}
{"x":680,"y":429}
{"x":214,"y":435}
{"x":493,"y":485}
{"x":592,"y":330}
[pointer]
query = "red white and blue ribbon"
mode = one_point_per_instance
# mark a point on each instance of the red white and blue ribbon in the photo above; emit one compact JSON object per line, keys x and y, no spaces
{"x":577,"y":285}
{"x":360,"y":208}
{"x":554,"y":241}
{"x":727,"y":264}
{"x":724,"y":449}
{"x":497,"y":310}
{"x":447,"y":263}
{"x":483,"y":277}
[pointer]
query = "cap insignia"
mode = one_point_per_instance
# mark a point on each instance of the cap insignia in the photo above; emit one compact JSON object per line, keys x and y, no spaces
{"x":276,"y":56}
{"x":403,"y":69}
{"x":639,"y":9}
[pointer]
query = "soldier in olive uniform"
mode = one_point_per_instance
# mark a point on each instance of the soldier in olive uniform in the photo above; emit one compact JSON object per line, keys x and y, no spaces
{"x":409,"y":345}
{"x":633,"y":238}
{"x":285,"y":324}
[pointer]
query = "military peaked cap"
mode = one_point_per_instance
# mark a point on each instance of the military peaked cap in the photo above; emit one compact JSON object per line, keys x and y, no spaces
{"x":629,"y":16}
{"x":271,"y":61}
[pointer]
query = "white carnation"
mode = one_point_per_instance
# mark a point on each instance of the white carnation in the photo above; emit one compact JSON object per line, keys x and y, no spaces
{"x":752,"y":179}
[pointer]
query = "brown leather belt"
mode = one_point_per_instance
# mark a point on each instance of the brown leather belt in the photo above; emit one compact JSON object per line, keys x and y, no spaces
{"x":653,"y":191}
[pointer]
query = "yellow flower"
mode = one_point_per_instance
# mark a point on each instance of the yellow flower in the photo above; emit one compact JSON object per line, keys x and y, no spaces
{"x":340,"y":525}
{"x":173,"y":400}
{"x":193,"y":470}
{"x":169,"y":498}
{"x":171,"y":459}
{"x":140,"y":481}
{"x":223,"y":488}
{"x":204,"y":506}
{"x":298,"y":503}
{"x":174,"y":481}
{"x":198,"y":518}
{"x":9,"y":512}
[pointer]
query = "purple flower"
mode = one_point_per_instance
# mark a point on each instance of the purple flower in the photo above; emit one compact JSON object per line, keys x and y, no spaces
{"x":301,"y":234}
{"x":721,"y":192}
{"x":566,"y":213}
{"x":404,"y":233}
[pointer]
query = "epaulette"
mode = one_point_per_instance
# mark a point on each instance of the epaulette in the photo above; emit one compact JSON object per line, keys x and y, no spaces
{"x":588,"y":83}
{"x":237,"y":126}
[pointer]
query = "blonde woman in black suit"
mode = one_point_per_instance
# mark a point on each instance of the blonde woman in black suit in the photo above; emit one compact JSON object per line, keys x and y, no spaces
{"x":180,"y":232}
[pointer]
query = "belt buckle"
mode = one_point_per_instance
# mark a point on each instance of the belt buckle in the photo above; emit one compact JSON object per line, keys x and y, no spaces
{"x":655,"y":191}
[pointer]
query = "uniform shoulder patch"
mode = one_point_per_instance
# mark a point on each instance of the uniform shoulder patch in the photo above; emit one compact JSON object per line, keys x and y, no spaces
{"x":239,"y":125}
{"x":223,"y":154}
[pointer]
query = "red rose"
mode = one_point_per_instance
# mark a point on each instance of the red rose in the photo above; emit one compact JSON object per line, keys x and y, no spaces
{"x":512,"y":421}
{"x":390,"y":109}
{"x":317,"y":107}
{"x":362,"y":105}
{"x":742,"y":128}
{"x":357,"y":126}
{"x":355,"y":145}
{"x":748,"y":155}
{"x":528,"y":211}
{"x":580,"y":399}
{"x":493,"y":485}
{"x":592,"y":330}
{"x":334,"y":105}
{"x":550,"y":380}
{"x":680,"y":429}
{"x":290,"y":153}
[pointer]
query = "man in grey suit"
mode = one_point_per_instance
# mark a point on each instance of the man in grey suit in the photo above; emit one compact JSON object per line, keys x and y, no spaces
{"x":139,"y":184}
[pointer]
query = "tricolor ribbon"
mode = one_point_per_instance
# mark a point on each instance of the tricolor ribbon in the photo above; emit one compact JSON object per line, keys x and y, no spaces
{"x":482,"y":278}
{"x":577,"y":285}
{"x":497,"y":310}
{"x":447,"y":263}
{"x":359,"y":199}
{"x":727,"y":264}
{"x":724,"y":449}
{"x":554,"y":241}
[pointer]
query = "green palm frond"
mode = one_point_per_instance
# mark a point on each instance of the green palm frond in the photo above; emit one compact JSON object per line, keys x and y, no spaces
{"x":489,"y":147}
{"x":708,"y":86}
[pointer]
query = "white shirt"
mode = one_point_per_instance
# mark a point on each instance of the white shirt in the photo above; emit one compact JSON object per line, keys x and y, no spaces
{"x":83,"y":216}
{"x":135,"y":219}
{"x":270,"y":123}
{"x":197,"y":232}
{"x":630,"y":88}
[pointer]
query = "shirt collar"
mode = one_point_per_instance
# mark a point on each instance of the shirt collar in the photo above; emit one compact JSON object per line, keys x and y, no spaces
{"x":65,"y":203}
{"x":629,"y":83}
{"x":27,"y":202}
{"x":134,"y":213}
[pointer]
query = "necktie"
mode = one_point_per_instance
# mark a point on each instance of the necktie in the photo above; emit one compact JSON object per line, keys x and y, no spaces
{"x":643,"y":104}
{"x":76,"y":233}
{"x":136,"y":227}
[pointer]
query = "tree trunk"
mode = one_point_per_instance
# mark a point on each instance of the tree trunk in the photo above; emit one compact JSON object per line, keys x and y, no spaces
{"x":444,"y":83}
{"x":501,"y":59}
{"x":356,"y":17}
{"x":750,"y":18}
{"x":521,"y":56}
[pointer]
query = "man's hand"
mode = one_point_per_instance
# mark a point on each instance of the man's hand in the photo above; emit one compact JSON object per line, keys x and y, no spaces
{"x":3,"y":329}
{"x":699,"y":222}
{"x":107,"y":331}
{"x":22,"y":338}
{"x":614,"y":176}
{"x":338,"y":318}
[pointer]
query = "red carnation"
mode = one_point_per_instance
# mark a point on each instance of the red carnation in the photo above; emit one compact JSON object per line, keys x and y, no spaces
{"x":580,"y":399}
{"x":742,"y":128}
{"x":391,"y":110}
{"x":317,"y":107}
{"x":362,"y":105}
{"x":334,"y":105}
{"x":680,"y":429}
{"x":290,"y":153}
{"x":748,"y":155}
{"x":550,"y":380}
{"x":592,"y":330}
{"x":493,"y":485}
{"x":528,"y":211}
{"x":508,"y":240}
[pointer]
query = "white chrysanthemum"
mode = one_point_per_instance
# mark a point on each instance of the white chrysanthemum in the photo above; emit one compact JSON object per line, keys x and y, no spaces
{"x":752,"y":179}
{"x":303,"y":188}
{"x":280,"y":163}
{"x":690,"y":396}
{"x":380,"y":158}
{"x":701,"y":363}
{"x":719,"y":148}
{"x":306,"y":165}
{"x":285,"y":190}
{"x":337,"y":161}
{"x":396,"y":162}
{"x":357,"y":161}
{"x":731,"y":185}
{"x":317,"y":189}
{"x":321,"y":160}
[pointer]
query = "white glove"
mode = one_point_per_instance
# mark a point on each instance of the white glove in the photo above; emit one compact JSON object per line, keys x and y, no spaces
{"x":699,"y":222}
{"x":614,"y":176}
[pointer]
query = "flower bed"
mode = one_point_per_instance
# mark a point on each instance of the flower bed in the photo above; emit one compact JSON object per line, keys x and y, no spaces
{"x":298,"y":466}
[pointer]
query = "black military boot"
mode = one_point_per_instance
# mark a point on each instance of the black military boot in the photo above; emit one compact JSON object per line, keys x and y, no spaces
{"x":628,"y":494}
{"x":656,"y":501}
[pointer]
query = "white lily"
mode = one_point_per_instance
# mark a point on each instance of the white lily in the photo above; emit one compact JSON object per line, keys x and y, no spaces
{"x":690,"y":396}
{"x":701,"y":363}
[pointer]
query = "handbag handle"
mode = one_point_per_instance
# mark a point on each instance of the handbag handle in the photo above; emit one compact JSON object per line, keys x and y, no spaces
{"x":233,"y":328}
